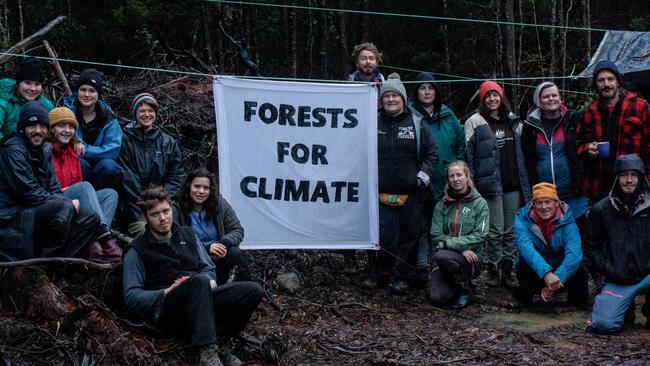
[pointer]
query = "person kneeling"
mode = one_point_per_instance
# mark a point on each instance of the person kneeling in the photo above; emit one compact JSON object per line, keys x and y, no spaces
{"x":459,"y":227}
{"x":550,"y":253}
{"x":168,"y":273}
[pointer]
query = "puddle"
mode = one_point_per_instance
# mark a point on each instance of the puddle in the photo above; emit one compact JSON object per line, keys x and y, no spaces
{"x":531,"y":322}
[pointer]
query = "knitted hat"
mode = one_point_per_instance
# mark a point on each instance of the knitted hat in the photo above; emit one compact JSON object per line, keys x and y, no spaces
{"x":31,"y":113}
{"x":606,"y":65}
{"x":545,"y":191}
{"x":488,"y":86}
{"x":29,"y":69}
{"x":93,"y":78}
{"x":540,"y":88}
{"x":62,"y":115}
{"x":629,"y":162}
{"x":145,"y":98}
{"x":393,"y":84}
{"x":427,"y":78}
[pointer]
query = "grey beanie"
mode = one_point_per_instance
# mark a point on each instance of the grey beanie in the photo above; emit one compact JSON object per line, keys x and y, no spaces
{"x":629,"y":162}
{"x":540,"y":88}
{"x":393,"y":84}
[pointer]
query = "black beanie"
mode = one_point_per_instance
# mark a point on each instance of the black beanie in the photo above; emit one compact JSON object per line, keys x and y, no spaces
{"x":605,"y":65}
{"x":91,"y":77}
{"x":31,"y":113}
{"x":29,"y":69}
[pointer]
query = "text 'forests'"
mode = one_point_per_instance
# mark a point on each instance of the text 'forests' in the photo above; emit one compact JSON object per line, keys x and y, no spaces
{"x":300,"y":116}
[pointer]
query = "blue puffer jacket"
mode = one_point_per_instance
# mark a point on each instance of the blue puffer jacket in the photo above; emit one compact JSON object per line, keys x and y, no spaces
{"x":109,"y":140}
{"x":483,"y":157}
{"x":562,"y":256}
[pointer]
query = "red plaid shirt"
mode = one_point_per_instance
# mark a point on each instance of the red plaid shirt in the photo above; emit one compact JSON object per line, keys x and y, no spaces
{"x":633,"y":138}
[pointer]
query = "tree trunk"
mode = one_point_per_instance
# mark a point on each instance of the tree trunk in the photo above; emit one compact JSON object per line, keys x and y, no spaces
{"x":207,"y":31}
{"x":564,"y":42}
{"x":586,"y":22}
{"x":508,"y":51}
{"x":293,"y":42}
{"x":5,"y":38}
{"x":20,"y":17}
{"x":365,"y":21}
{"x":342,"y":44}
{"x":553,"y":37}
{"x":445,"y":40}
{"x":322,"y":53}
{"x":539,"y":39}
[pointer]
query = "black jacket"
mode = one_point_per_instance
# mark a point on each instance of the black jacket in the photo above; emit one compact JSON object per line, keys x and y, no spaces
{"x":231,"y":233}
{"x":618,"y":240}
{"x":146,"y":159}
{"x":27,"y":180}
{"x":406,"y":150}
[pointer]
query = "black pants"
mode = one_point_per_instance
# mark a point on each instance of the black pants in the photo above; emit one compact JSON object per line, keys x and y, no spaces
{"x":234,"y":257}
{"x":529,"y":284}
{"x":399,"y":228}
{"x":204,"y":315}
{"x":450,"y":277}
{"x":61,"y":232}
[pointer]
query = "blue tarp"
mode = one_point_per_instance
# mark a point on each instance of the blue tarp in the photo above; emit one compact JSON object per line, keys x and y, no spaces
{"x":630,"y":51}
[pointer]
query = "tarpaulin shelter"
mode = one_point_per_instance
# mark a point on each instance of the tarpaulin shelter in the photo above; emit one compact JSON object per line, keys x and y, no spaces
{"x":630,"y":51}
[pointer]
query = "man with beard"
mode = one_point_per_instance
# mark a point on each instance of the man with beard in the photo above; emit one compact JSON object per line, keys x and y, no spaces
{"x":36,"y":220}
{"x":617,"y":123}
{"x":366,"y":58}
{"x":618,"y":244}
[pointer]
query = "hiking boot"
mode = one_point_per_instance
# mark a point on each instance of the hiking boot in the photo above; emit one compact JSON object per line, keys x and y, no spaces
{"x":209,"y":356}
{"x":461,"y":301}
{"x":399,"y":287}
{"x":112,"y":251}
{"x":492,"y":276}
{"x":227,"y":357}
{"x":95,"y":252}
{"x":506,"y":274}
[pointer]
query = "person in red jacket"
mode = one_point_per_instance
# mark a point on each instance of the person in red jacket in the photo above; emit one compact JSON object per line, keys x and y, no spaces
{"x":67,"y":167}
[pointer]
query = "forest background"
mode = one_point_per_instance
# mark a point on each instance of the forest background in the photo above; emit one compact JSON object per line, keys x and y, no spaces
{"x":212,"y":37}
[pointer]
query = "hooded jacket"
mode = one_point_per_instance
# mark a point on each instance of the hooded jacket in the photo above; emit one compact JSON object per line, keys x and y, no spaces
{"x":447,"y":133}
{"x":27,"y":180}
{"x":149,"y":158}
{"x":553,"y":159}
{"x":462,"y":224}
{"x":618,"y":240}
{"x":108,"y":142}
{"x":10,"y":105}
{"x":483,"y":156}
{"x":562,"y":255}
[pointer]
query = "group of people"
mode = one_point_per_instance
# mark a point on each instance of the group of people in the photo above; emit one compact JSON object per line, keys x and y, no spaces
{"x":65,"y":172}
{"x":525,"y":197}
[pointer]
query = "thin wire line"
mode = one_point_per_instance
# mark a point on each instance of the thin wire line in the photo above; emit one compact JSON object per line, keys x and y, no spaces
{"x":415,"y":16}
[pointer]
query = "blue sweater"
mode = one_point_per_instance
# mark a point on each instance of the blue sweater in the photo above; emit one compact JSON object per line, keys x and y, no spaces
{"x":561,"y":257}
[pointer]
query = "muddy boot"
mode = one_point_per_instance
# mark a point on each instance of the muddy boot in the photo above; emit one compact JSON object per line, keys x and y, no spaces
{"x":506,"y":274}
{"x":492,"y":276}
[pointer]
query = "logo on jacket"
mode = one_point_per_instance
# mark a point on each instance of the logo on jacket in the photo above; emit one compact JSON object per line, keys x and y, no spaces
{"x":466,"y":210}
{"x":407,"y":133}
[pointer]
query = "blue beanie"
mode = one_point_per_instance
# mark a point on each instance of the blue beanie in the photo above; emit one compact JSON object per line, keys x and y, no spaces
{"x":606,"y":65}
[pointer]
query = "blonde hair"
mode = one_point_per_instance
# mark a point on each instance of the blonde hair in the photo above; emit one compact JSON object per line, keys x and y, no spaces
{"x":463,"y":165}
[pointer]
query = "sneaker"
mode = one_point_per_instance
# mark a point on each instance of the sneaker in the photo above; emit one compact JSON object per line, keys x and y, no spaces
{"x":209,"y":356}
{"x":399,"y":287}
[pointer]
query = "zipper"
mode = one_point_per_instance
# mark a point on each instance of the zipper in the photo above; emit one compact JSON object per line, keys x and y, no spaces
{"x":456,"y":217}
{"x":550,"y":144}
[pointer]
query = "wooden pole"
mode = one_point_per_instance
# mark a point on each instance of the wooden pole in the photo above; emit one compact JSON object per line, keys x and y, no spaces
{"x":57,"y":68}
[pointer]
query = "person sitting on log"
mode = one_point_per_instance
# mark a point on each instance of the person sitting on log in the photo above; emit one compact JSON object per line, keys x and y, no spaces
{"x":618,"y":247}
{"x":25,"y":86}
{"x":168,"y":273}
{"x":148,"y":157}
{"x":200,"y":206}
{"x":459,"y":227}
{"x":550,"y":252}
{"x":67,"y":166}
{"x":99,"y":131}
{"x":36,"y":220}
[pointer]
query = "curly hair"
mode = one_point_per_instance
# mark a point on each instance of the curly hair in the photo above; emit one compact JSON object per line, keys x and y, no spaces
{"x":211,"y":205}
{"x":153,"y":196}
{"x":504,"y":108}
{"x":367,"y":46}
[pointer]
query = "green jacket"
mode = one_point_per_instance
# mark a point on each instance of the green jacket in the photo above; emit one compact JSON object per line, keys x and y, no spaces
{"x":461,"y":224}
{"x":10,"y":105}
{"x":450,"y":138}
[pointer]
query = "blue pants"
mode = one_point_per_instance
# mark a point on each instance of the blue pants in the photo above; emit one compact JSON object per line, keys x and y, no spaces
{"x":610,"y":306}
{"x":102,"y":173}
{"x":102,"y":202}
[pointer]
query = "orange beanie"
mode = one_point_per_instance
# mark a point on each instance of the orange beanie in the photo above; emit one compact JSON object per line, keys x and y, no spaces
{"x":545,"y":191}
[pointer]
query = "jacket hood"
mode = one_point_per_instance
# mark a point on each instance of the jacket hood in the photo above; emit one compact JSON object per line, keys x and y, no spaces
{"x":71,"y":102}
{"x":418,"y":111}
{"x":447,"y":199}
{"x":534,"y":117}
{"x":424,"y":78}
{"x":7,"y":87}
{"x":642,"y":199}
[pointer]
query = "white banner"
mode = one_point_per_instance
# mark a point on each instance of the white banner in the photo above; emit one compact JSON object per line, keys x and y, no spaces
{"x":298,"y":162}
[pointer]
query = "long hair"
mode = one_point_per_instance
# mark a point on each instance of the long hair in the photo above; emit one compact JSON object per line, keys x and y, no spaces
{"x":504,"y":108}
{"x":463,"y":165}
{"x":211,"y":205}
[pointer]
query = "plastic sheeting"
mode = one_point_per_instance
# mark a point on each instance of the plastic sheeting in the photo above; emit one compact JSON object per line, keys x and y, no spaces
{"x":630,"y":51}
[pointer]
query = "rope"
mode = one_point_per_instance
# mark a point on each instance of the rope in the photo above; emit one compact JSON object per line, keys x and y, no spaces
{"x":413,"y":16}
